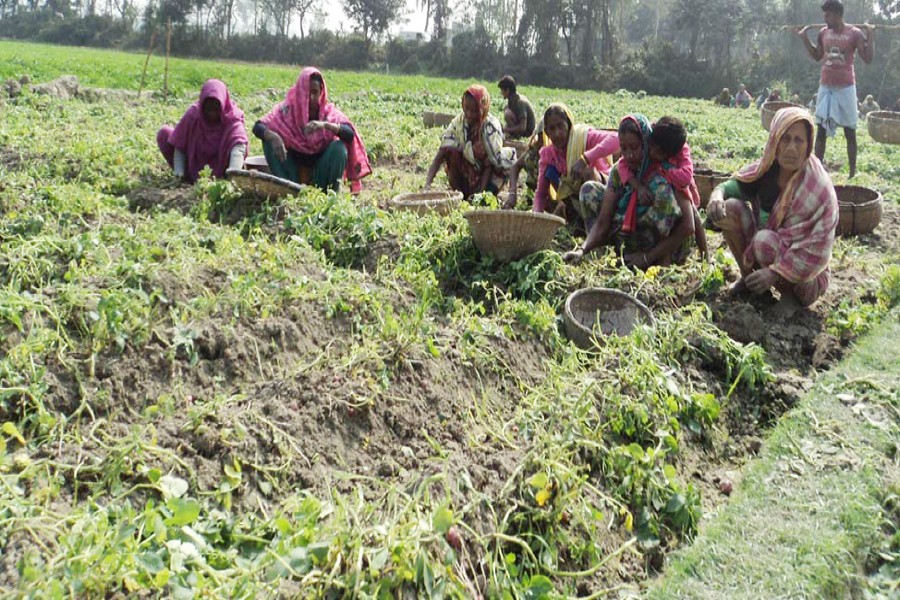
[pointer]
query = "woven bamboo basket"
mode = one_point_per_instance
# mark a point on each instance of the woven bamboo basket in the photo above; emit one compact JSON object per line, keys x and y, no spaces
{"x":421,"y":203}
{"x":767,"y":113}
{"x":256,"y":163}
{"x":262,"y":185}
{"x":520,"y":146}
{"x":509,"y":234}
{"x":707,"y":180}
{"x":859,"y":209}
{"x":592,"y":313}
{"x":884,"y":126}
{"x":441,"y":119}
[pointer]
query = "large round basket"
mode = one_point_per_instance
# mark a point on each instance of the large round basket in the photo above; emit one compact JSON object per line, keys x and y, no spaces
{"x":859,"y":209}
{"x":520,"y":146}
{"x":441,"y":119}
{"x":256,"y":163}
{"x":770,"y":108}
{"x":421,"y":203}
{"x":884,"y":126}
{"x":592,"y":313}
{"x":707,"y":180}
{"x":510,"y":234}
{"x":262,"y":185}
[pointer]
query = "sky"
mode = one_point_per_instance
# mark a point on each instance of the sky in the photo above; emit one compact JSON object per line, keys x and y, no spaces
{"x":415,"y":18}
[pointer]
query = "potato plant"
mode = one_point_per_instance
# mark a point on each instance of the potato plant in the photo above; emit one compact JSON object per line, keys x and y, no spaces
{"x":205,"y":395}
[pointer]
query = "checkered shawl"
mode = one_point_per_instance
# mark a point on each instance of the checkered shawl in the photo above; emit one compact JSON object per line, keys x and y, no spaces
{"x":805,"y":216}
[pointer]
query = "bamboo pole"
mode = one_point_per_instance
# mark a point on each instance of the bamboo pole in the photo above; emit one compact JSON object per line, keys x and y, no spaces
{"x":861,"y":26}
{"x":168,"y":51}
{"x":149,"y":52}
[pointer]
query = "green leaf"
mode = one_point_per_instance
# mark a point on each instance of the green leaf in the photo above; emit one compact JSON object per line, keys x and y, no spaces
{"x":184,"y":512}
{"x":539,"y":480}
{"x":428,"y":579}
{"x":676,"y":503}
{"x":378,"y":560}
{"x":12,"y":431}
{"x":636,"y":451}
{"x":442,"y":520}
{"x":152,"y":562}
{"x":232,"y":472}
{"x":670,"y":472}
{"x":319,"y":551}
{"x":172,"y":487}
{"x":539,"y":587}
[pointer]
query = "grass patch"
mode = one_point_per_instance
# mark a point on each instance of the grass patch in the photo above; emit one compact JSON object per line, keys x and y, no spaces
{"x":810,"y":509}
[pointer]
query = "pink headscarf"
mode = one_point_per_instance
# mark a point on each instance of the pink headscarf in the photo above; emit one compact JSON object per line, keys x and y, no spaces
{"x":805,"y":215}
{"x":289,"y":117}
{"x":206,"y":144}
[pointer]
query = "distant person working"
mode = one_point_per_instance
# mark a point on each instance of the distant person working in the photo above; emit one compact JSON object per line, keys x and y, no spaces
{"x":836,"y":101}
{"x":519,"y":114}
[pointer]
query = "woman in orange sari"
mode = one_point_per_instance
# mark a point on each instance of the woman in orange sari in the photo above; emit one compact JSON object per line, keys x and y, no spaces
{"x":472,"y":148}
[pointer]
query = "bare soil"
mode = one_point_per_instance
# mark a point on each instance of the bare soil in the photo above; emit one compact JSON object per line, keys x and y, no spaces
{"x":293,"y":416}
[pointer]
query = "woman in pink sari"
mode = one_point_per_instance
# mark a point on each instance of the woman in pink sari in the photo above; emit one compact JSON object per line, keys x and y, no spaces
{"x":211,"y":133}
{"x":779,"y":216}
{"x":306,"y":139}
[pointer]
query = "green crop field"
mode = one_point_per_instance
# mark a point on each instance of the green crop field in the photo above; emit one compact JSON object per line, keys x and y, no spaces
{"x":205,"y":395}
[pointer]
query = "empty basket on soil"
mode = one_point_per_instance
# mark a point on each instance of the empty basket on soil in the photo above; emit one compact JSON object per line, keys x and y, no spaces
{"x":441,"y":119}
{"x":593,"y":313}
{"x":442,"y":203}
{"x":511,"y":234}
{"x":262,"y":185}
{"x":884,"y":126}
{"x":256,"y":163}
{"x":519,"y":145}
{"x":707,"y":180}
{"x":770,"y":108}
{"x":859,"y":209}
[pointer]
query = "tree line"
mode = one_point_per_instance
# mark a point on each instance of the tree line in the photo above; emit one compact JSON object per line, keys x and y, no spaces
{"x":669,"y":47}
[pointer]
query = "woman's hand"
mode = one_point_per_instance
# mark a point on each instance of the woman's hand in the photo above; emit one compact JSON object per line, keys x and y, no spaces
{"x":579,"y":169}
{"x":511,"y":199}
{"x":574,"y":257}
{"x":314,"y":126}
{"x":761,"y":281}
{"x":801,"y":31}
{"x":717,"y":209}
{"x":560,"y":210}
{"x":638,"y":260}
{"x":277,"y":144}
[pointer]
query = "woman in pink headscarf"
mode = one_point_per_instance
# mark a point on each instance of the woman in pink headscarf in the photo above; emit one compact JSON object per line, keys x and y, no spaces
{"x":306,"y":139}
{"x":211,"y":133}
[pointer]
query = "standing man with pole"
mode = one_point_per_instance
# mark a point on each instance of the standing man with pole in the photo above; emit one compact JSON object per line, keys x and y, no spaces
{"x":836,"y":101}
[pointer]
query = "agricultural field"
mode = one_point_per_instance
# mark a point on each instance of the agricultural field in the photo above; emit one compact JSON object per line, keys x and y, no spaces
{"x":202,"y":395}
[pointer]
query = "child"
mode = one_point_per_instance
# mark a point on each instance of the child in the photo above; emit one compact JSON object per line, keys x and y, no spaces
{"x":668,"y":147}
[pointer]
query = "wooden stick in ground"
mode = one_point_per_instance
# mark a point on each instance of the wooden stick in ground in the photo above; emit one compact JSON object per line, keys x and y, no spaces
{"x":149,"y":52}
{"x":168,"y":51}
{"x":861,"y":26}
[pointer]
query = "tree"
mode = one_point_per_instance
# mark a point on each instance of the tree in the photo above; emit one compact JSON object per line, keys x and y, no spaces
{"x":438,"y":13}
{"x":374,"y":16}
